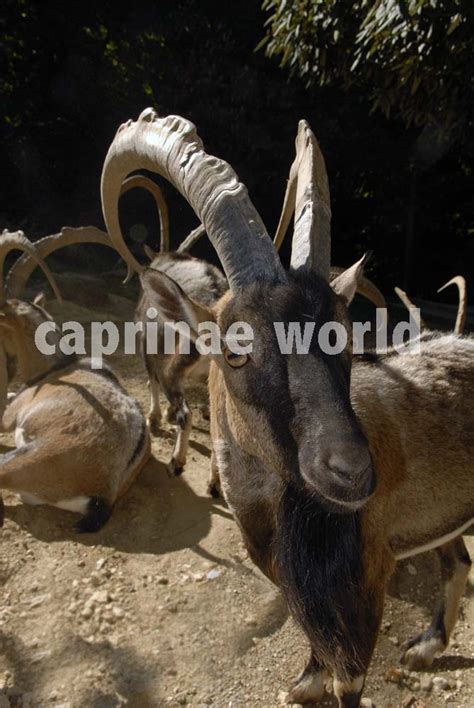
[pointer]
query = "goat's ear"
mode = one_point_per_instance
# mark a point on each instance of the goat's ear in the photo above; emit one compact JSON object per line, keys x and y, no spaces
{"x":346,"y":284}
{"x":40,"y":300}
{"x":172,"y":303}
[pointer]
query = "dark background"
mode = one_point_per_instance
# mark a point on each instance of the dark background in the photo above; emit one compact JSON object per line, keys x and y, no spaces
{"x":72,"y":72}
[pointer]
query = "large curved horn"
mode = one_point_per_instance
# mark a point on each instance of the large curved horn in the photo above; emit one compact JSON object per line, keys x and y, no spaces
{"x":307,"y":194}
{"x":22,"y":269}
{"x":16,"y":240}
{"x":365,"y":287}
{"x":143,"y":182}
{"x":171,"y":147}
{"x":460,"y":282}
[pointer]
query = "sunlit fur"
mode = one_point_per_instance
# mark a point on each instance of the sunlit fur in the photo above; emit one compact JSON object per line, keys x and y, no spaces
{"x":205,"y":284}
{"x":80,"y":438}
{"x":413,"y":409}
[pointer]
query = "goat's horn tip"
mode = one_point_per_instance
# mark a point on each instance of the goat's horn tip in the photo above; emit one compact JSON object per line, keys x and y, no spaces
{"x":148,"y":115}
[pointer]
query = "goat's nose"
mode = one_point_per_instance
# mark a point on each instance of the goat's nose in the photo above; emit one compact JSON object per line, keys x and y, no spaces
{"x":351,"y":465}
{"x":341,"y":473}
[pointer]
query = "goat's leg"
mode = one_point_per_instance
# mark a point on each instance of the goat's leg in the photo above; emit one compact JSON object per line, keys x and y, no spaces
{"x":178,"y":412}
{"x":154,"y":414}
{"x":214,"y":485}
{"x":350,"y":674}
{"x":28,"y":471}
{"x":455,"y":564}
{"x":309,"y":687}
{"x":184,"y":423}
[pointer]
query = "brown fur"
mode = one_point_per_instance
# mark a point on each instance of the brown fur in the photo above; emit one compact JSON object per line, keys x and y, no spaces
{"x":78,"y":434}
{"x":406,"y":404}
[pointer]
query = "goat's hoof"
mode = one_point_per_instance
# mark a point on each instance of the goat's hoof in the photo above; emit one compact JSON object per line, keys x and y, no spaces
{"x":419,"y":653}
{"x":97,"y":514}
{"x":308,"y":688}
{"x":214,"y":490}
{"x":175,"y":469}
{"x":154,"y":425}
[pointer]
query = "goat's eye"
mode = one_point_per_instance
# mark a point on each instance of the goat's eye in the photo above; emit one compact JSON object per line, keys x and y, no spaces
{"x":235,"y":360}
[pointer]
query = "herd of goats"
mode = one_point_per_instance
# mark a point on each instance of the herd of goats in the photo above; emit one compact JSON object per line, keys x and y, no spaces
{"x":334,"y":467}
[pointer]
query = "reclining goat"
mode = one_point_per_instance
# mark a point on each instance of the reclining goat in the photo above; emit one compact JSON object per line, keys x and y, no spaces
{"x":80,"y":439}
{"x":332,"y":475}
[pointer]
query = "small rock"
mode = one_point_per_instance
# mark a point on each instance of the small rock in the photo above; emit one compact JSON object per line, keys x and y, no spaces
{"x":367,"y":703}
{"x":212,"y":574}
{"x":426,"y":683}
{"x":87,"y":612}
{"x":440,"y":683}
{"x":118,"y":612}
{"x":161,"y":580}
{"x":101,"y":597}
{"x":394,"y":640}
{"x":37,"y":601}
{"x":81,"y":563}
{"x":96,"y":580}
{"x":250,"y":621}
{"x":393,"y":675}
{"x":411,"y":569}
{"x":100,"y":563}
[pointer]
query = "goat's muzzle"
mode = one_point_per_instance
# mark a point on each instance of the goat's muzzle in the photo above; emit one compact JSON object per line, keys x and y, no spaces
{"x":340,"y":474}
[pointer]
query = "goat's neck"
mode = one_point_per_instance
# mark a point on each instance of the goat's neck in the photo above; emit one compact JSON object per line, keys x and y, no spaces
{"x":32,"y":363}
{"x":250,"y":491}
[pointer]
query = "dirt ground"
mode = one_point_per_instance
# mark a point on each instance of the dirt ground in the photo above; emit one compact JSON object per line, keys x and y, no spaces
{"x":163,"y":607}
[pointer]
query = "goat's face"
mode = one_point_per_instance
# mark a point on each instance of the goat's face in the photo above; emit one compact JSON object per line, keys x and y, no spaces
{"x":290,"y":410}
{"x":18,"y":323}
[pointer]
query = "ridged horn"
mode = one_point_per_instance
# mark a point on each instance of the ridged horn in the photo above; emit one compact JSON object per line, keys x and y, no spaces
{"x":22,"y":269}
{"x":307,"y":194}
{"x":171,"y":147}
{"x":17,"y":241}
{"x":143,"y":182}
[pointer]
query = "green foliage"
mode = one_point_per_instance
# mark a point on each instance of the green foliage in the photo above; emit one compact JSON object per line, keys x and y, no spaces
{"x":413,"y":57}
{"x":71,"y":73}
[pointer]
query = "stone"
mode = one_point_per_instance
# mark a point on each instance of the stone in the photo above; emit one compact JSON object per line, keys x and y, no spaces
{"x":440,"y":683}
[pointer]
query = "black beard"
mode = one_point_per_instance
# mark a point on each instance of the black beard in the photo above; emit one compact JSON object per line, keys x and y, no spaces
{"x":319,"y":567}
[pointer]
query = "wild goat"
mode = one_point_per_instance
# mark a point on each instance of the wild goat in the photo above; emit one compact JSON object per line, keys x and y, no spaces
{"x":204,"y":284}
{"x":328,"y":489}
{"x":80,"y":439}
